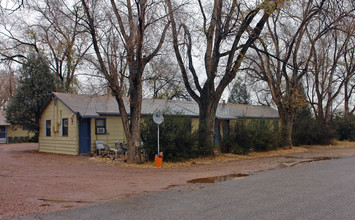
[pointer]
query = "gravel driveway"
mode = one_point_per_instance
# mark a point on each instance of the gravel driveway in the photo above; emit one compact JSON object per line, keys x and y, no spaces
{"x":33,"y":182}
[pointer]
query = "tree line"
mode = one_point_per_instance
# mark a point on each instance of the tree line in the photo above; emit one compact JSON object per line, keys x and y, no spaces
{"x":290,"y":53}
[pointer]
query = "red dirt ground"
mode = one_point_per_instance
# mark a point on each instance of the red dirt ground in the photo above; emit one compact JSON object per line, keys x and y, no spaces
{"x":33,"y":182}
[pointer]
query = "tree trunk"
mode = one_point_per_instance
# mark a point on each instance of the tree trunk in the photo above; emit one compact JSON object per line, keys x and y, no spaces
{"x":131,"y":123}
{"x":135,"y":99}
{"x":134,"y":147}
{"x":287,"y":116}
{"x":346,"y":100}
{"x":287,"y":126}
{"x":208,"y":108}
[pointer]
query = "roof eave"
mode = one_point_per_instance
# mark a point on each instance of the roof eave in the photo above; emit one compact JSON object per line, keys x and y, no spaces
{"x":257,"y":117}
{"x":54,"y":95}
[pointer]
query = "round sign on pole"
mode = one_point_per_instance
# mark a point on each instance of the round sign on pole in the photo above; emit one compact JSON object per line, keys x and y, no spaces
{"x":158,"y":117}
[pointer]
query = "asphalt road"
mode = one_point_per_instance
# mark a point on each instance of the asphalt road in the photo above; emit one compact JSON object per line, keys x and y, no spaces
{"x":321,"y":190}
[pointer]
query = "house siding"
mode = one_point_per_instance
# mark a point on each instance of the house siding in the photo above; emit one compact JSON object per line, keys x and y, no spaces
{"x":57,"y":143}
{"x":114,"y":132}
{"x":194,"y":124}
{"x":17,"y":131}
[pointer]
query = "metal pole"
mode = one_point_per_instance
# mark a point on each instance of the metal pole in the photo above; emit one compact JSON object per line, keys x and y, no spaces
{"x":158,"y":140}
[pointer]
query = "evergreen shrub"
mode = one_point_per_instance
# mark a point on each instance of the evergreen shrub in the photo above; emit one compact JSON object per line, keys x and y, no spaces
{"x":252,"y":135}
{"x":177,"y":142}
{"x":34,"y":139}
{"x":345,"y":128}
{"x":309,"y":131}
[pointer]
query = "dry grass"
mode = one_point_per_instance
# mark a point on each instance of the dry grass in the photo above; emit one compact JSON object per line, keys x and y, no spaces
{"x":222,"y":158}
{"x":101,"y":160}
{"x":335,"y":145}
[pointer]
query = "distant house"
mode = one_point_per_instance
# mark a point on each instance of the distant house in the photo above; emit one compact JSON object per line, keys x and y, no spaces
{"x":13,"y":134}
{"x":72,"y":123}
{"x":340,"y":113}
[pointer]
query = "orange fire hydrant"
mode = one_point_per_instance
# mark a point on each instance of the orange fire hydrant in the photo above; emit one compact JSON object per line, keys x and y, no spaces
{"x":158,"y":160}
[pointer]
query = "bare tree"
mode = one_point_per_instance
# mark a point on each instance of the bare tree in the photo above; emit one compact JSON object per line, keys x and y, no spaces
{"x":163,"y":80}
{"x":12,"y":5}
{"x":56,"y":32}
{"x":286,"y":55}
{"x":132,"y":36}
{"x":327,"y":76}
{"x":227,"y":34}
{"x":349,"y":72}
{"x":8,"y":84}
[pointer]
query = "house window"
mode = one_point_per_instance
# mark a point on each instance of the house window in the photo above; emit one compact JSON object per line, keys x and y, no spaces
{"x":48,"y":128}
{"x":2,"y":132}
{"x":64,"y":127}
{"x":100,"y":126}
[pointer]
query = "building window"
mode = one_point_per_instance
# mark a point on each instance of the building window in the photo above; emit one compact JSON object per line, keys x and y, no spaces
{"x":2,"y":132}
{"x":64,"y":127}
{"x":48,"y":128}
{"x":100,"y":126}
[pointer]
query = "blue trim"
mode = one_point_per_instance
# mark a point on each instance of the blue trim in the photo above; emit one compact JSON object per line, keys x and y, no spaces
{"x":109,"y":114}
{"x":258,"y":118}
{"x":90,"y":116}
{"x":45,"y":103}
{"x":48,"y":132}
{"x":84,"y":136}
{"x":77,"y":113}
{"x":3,"y":132}
{"x":192,"y":116}
{"x":219,"y":118}
{"x":241,"y":117}
{"x":48,"y":100}
{"x":67,"y":127}
{"x":96,"y":127}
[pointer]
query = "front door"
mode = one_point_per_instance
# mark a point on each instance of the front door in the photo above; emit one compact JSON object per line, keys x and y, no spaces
{"x":2,"y":135}
{"x":84,"y":136}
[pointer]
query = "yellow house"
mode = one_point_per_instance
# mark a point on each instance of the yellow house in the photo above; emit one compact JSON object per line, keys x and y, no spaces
{"x":72,"y":123}
{"x":13,"y":133}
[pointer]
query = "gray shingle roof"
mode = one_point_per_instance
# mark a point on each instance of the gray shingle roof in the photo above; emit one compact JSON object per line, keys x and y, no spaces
{"x":95,"y":105}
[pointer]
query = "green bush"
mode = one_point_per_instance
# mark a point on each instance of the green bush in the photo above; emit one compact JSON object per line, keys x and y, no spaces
{"x":309,"y":131}
{"x":177,"y":142}
{"x":34,"y":139}
{"x":253,"y":135}
{"x":345,"y":128}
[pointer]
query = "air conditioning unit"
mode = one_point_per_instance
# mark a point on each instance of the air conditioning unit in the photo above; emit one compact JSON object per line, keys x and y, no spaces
{"x":100,"y":130}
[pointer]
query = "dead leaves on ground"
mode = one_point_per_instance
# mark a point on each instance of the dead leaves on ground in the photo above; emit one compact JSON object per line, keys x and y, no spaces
{"x":222,"y":158}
